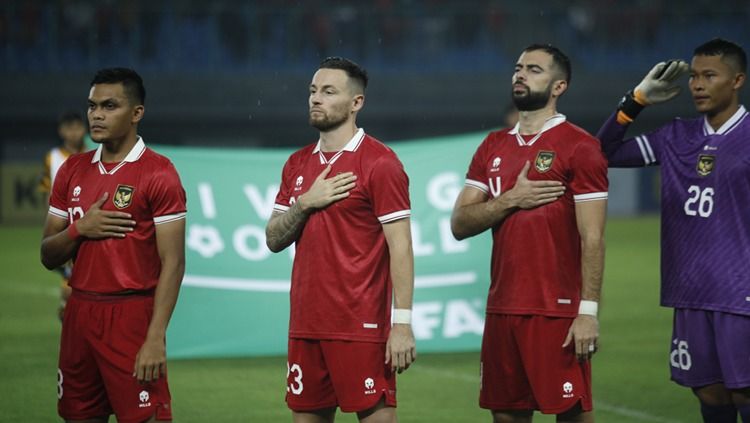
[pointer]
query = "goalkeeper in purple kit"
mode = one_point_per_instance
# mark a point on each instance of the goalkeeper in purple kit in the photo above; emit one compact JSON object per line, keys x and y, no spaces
{"x":705,"y":220}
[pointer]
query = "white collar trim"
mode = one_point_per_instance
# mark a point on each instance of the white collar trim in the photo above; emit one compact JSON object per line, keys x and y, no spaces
{"x":350,"y":146}
{"x":135,"y":153}
{"x":550,"y":123}
{"x":730,"y":124}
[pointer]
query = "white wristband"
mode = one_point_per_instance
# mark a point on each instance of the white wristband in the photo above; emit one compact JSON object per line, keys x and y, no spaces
{"x":402,"y":316}
{"x":588,"y":307}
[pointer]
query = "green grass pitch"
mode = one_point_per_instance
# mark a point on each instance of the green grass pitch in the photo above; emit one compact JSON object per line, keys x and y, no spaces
{"x":631,"y":374}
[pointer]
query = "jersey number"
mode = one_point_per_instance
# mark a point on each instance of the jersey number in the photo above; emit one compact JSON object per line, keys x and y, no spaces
{"x":291,"y":387}
{"x":73,"y":212}
{"x":701,"y":202}
{"x":59,"y":384}
{"x":496,"y":188}
{"x":680,"y":357}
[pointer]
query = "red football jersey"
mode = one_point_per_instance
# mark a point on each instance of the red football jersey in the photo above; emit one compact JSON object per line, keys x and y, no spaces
{"x":536,"y":253}
{"x":341,"y":280}
{"x":147,"y":186}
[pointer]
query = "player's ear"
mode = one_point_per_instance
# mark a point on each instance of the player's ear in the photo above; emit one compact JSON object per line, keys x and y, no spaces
{"x":358,"y":102}
{"x":739,"y":80}
{"x":559,"y":87}
{"x":138,"y":112}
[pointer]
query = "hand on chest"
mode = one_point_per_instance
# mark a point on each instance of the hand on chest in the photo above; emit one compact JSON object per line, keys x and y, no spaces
{"x":505,"y":167}
{"x":342,"y":187}
{"x":123,"y":194}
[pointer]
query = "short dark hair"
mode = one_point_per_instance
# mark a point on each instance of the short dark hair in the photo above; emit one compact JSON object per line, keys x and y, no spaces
{"x":353,"y":70}
{"x":70,"y":117}
{"x":131,"y":81}
{"x":558,"y":58}
{"x":727,"y":49}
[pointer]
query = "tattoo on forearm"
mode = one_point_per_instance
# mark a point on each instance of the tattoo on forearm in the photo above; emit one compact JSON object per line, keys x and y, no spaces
{"x":285,"y":228}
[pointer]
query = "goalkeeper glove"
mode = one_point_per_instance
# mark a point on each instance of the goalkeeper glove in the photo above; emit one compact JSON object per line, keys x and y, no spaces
{"x":658,"y":86}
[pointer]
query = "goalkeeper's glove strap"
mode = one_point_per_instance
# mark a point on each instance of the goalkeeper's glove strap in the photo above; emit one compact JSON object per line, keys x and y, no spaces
{"x":629,"y":108}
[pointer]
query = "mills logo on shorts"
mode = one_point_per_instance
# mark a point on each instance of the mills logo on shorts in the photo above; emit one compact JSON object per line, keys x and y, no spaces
{"x":143,"y":396}
{"x":123,"y":196}
{"x":705,"y":164}
{"x":543,"y":161}
{"x":567,"y":390}
{"x":370,"y":386}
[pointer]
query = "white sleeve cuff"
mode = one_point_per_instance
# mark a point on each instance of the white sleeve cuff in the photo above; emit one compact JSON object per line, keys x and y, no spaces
{"x":392,"y":217}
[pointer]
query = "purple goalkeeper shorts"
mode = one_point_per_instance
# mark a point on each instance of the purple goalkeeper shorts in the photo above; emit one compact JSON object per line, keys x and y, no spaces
{"x":710,"y":347}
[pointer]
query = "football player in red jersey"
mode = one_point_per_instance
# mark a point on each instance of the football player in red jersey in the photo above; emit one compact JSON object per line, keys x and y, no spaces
{"x":541,"y":187}
{"x":344,"y":202}
{"x":119,"y":213}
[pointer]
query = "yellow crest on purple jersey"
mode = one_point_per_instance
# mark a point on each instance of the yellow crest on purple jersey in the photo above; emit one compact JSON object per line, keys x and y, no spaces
{"x":543,"y":161}
{"x":123,"y":196}
{"x":705,"y":164}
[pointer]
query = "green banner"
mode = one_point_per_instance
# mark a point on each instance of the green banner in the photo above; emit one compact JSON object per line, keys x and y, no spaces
{"x":235,"y":295}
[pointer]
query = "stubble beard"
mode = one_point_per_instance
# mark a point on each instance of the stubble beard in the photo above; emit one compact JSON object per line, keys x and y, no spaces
{"x":326,"y":123}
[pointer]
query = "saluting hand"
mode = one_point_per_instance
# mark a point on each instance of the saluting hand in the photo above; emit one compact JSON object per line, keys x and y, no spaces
{"x":98,"y":223}
{"x":659,"y":84}
{"x":527,"y":194}
{"x":324,"y":192}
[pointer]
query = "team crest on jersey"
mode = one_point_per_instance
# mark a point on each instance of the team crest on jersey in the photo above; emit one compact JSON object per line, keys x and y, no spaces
{"x":705,"y":164}
{"x":543,"y":161}
{"x":123,"y":196}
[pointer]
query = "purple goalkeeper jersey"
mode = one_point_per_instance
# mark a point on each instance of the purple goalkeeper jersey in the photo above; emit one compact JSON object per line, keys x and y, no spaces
{"x":705,"y":204}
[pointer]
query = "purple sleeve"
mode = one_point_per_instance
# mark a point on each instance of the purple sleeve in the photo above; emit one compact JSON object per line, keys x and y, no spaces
{"x":629,"y":153}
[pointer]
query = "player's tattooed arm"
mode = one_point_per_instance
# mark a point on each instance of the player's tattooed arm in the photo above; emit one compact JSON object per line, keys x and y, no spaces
{"x":473,"y":213}
{"x":284,"y":228}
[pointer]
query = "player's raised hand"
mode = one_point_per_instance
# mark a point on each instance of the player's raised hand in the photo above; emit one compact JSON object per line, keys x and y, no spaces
{"x":584,"y":333}
{"x":325,"y":191}
{"x":400,"y":349}
{"x":98,"y":223}
{"x":151,"y":361}
{"x":659,"y":85}
{"x":528,"y":194}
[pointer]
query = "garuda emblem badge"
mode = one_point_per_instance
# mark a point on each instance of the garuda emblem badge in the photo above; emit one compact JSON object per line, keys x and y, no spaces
{"x":123,"y":196}
{"x":706,"y":164}
{"x":543,"y":161}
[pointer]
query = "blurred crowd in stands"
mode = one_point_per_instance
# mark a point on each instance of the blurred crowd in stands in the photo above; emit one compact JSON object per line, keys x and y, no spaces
{"x":428,"y":35}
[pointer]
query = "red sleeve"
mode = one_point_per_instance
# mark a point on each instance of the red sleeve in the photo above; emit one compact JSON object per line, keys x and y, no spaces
{"x":589,"y":169}
{"x":389,"y":188}
{"x":166,"y":195}
{"x":285,"y":193}
{"x":58,"y":204}
{"x":477,"y":175}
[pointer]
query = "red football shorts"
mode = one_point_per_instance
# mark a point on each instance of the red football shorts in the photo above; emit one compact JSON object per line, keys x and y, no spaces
{"x":100,"y":338}
{"x":524,"y":367}
{"x":325,"y":374}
